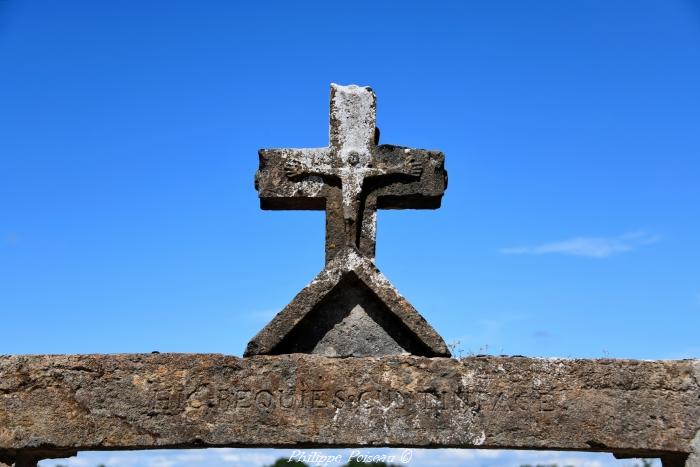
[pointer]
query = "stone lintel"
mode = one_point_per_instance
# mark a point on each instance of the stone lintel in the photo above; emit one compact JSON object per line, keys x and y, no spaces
{"x":64,"y":403}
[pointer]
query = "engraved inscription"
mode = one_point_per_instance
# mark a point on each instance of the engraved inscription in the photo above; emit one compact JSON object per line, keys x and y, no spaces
{"x":175,"y":399}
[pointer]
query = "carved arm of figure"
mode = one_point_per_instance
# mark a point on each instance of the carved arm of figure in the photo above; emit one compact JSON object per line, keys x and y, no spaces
{"x":410,"y":166}
{"x":295,"y":168}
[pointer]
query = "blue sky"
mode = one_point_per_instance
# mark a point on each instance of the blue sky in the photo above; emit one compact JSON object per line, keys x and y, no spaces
{"x":129,"y":135}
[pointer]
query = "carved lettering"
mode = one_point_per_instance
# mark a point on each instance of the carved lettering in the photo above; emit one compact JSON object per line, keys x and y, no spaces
{"x":205,"y":397}
{"x":167,"y":400}
{"x":263,"y":399}
{"x":339,"y":399}
{"x":243,"y":398}
{"x":317,"y":398}
{"x":286,"y":401}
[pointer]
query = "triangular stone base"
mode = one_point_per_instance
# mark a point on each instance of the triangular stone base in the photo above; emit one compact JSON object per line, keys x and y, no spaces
{"x":349,"y":309}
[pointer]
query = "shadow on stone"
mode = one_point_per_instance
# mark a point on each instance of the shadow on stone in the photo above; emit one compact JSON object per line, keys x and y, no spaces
{"x":351,"y":321}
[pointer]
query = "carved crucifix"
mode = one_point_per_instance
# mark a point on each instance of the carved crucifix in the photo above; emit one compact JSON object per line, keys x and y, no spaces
{"x":352,"y":177}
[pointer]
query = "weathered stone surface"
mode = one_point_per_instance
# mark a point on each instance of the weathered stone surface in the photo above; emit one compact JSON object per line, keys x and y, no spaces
{"x":353,"y":176}
{"x":640,"y":408}
{"x":349,"y":309}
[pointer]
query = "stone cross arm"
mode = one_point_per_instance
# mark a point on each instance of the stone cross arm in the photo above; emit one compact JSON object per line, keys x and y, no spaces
{"x":306,"y":179}
{"x":302,"y":179}
{"x":353,"y":176}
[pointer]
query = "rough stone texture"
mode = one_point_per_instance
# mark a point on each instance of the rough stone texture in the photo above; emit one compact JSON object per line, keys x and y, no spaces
{"x":352,"y":177}
{"x":93,"y":402}
{"x":694,"y":457}
{"x":349,"y":309}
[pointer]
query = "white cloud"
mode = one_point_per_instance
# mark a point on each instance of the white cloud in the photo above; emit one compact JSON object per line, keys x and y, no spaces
{"x":230,"y":457}
{"x":171,"y":458}
{"x":248,"y":457}
{"x":593,"y":247}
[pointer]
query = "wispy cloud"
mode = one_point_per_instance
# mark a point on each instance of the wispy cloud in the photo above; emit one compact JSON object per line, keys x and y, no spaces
{"x":11,"y":239}
{"x":259,"y":457}
{"x":593,"y":247}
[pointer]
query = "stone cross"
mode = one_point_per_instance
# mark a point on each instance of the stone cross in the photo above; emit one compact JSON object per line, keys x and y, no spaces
{"x":350,"y":308}
{"x":352,"y":177}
